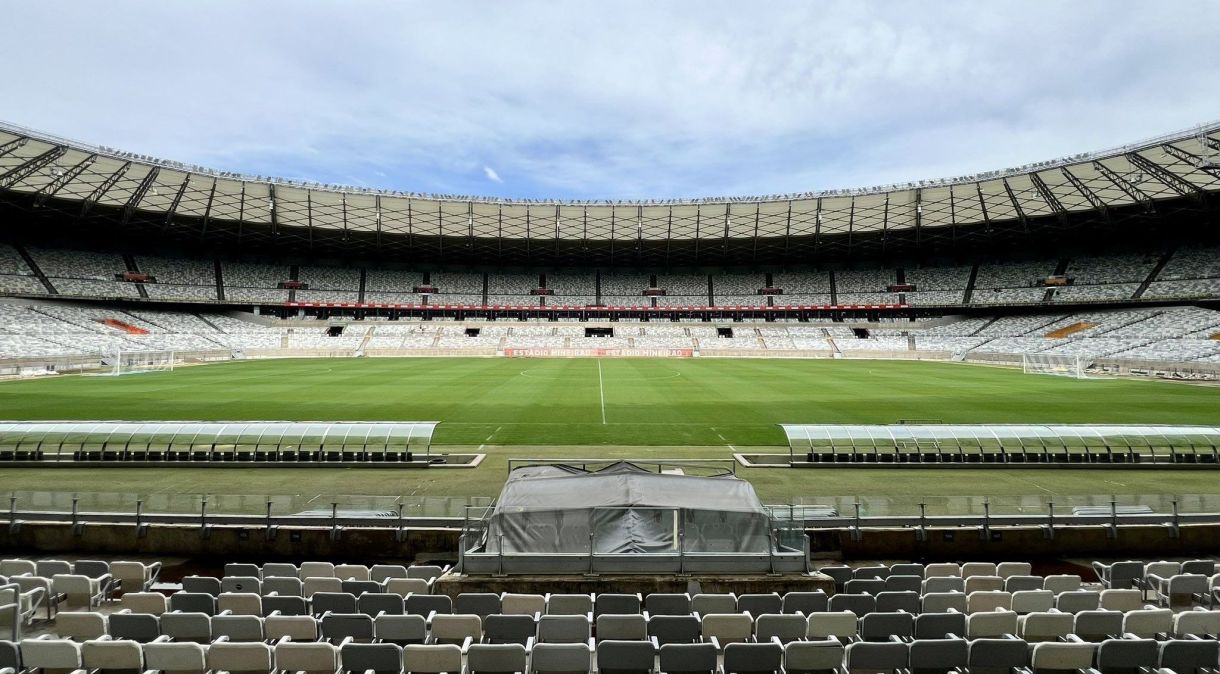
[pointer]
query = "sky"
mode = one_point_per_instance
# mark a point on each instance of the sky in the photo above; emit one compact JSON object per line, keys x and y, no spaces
{"x":610,"y":100}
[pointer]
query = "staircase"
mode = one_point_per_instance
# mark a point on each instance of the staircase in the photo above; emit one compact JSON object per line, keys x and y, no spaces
{"x":132,"y":267}
{"x":1060,"y":270}
{"x":984,"y":326}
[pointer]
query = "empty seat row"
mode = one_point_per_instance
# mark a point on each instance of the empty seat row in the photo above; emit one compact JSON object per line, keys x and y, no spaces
{"x":1112,"y":656}
{"x":376,"y":572}
{"x":287,"y":586}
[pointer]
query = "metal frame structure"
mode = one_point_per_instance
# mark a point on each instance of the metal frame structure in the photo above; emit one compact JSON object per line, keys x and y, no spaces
{"x":1156,"y":176}
{"x":64,"y":440}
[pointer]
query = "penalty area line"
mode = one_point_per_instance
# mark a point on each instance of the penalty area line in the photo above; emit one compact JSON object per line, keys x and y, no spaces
{"x":726,"y":441}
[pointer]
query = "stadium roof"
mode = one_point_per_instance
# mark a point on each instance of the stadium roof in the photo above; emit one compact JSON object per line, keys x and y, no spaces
{"x":40,"y":169}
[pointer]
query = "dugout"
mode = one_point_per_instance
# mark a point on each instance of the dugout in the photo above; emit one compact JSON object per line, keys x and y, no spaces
{"x":1001,"y":444}
{"x":192,"y":441}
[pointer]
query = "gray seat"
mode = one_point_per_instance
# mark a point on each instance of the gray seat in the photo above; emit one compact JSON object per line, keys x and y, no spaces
{"x":871,"y":586}
{"x":898,"y":601}
{"x":1189,"y":656}
{"x":285,"y":605}
{"x":280,"y":570}
{"x":938,"y":655}
{"x":937,"y":625}
{"x":238,"y":569}
{"x":883,"y":626}
{"x":688,"y":659}
{"x":1022,"y":583}
{"x":875,"y":657}
{"x":284,"y":586}
{"x":907,"y":569}
{"x":661,"y":603}
{"x":401,"y":630}
{"x":674,"y":629}
{"x":427,"y":604}
{"x":204,"y":584}
{"x":1194,"y":567}
{"x":948,"y":584}
{"x":1098,"y":625}
{"x":904,"y":584}
{"x":241,"y":584}
{"x":759,"y":604}
{"x":333,"y":602}
{"x":425,"y":571}
{"x":820,"y":656}
{"x":1126,"y":656}
{"x":859,"y":604}
{"x":336,"y":627}
{"x":377,"y":603}
{"x":839,"y":574}
{"x":496,"y":658}
{"x":245,"y":628}
{"x":563,"y":629}
{"x":481,"y":604}
{"x":754,"y":658}
{"x":140,"y":627}
{"x":621,"y":627}
{"x":805,"y":602}
{"x":1075,"y":601}
{"x":780,"y":627}
{"x":617,"y":604}
{"x":997,"y":656}
{"x":182,"y":626}
{"x":1119,"y":575}
{"x":378,"y":658}
{"x":359,"y":587}
{"x":625,"y":657}
{"x":193,"y":602}
{"x":499,"y":628}
{"x":10,"y":656}
{"x":567,"y":658}
{"x":874,"y":571}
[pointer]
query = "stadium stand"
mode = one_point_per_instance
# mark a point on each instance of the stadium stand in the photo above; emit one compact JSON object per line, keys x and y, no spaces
{"x":320,"y":616}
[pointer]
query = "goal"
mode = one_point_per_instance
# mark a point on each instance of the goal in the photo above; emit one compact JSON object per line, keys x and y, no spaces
{"x":1045,"y":363}
{"x":134,"y":362}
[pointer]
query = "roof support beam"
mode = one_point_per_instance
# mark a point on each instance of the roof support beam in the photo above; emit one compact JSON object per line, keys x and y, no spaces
{"x":173,"y":207}
{"x":52,"y":188}
{"x":102,"y":189}
{"x":1048,"y":196}
{"x":1016,"y":205}
{"x":1135,"y":193}
{"x":21,"y":171}
{"x":1192,"y":159}
{"x":952,"y":213}
{"x":138,"y":195}
{"x":1086,"y":192}
{"x":275,"y":218}
{"x":207,"y":210}
{"x":1170,"y":180}
{"x":918,"y":211}
{"x":978,"y":188}
{"x":12,"y":145}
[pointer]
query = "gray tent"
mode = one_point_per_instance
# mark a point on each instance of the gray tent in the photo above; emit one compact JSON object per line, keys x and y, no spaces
{"x":553,"y":509}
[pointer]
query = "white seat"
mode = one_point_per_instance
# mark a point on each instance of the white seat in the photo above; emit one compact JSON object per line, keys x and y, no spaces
{"x":1045,"y":626}
{"x":842,"y":625}
{"x":175,"y":657}
{"x":145,"y":602}
{"x":431,"y":659}
{"x":51,"y":656}
{"x":727,"y":628}
{"x":112,"y":654}
{"x":81,"y":626}
{"x":993,"y":624}
{"x":522,"y":604}
{"x":980,"y":602}
{"x":352,"y":572}
{"x":317,"y":570}
{"x":135,"y":576}
{"x":311,"y":658}
{"x":1032,"y":601}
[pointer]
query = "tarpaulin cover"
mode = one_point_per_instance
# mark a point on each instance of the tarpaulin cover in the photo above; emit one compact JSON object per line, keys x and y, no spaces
{"x":549,"y":509}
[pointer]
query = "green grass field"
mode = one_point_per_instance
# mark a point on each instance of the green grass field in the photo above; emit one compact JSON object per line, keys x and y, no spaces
{"x":610,"y":408}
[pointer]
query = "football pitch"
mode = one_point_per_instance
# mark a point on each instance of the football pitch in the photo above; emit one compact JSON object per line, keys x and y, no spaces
{"x":545,"y":408}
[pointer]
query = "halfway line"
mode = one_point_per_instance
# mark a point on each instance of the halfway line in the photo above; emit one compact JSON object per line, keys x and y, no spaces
{"x":601,"y":389}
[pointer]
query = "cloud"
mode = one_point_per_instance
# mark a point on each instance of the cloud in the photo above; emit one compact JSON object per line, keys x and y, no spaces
{"x":629,"y":99}
{"x":492,"y":175}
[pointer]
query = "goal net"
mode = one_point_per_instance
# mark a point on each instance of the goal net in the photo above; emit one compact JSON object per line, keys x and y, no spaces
{"x":134,"y":362}
{"x":1044,"y":363}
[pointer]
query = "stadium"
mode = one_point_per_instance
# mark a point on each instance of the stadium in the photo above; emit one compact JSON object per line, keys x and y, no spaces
{"x":260,"y":424}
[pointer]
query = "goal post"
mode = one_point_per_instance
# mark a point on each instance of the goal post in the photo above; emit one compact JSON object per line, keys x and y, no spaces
{"x":134,"y":362}
{"x":1056,"y":364}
